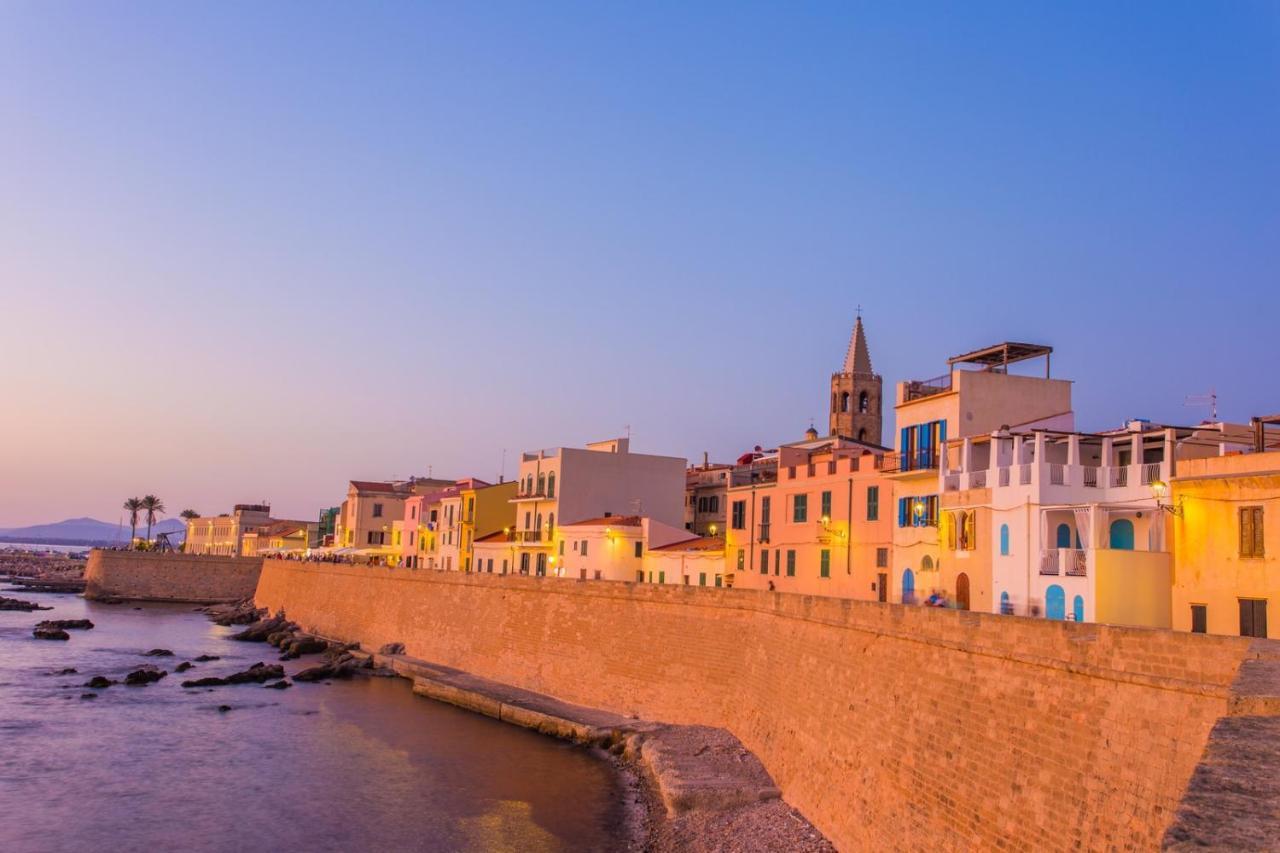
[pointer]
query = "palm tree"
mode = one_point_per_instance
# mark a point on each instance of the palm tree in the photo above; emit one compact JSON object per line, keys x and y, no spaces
{"x":188,"y":514}
{"x":153,"y":507}
{"x":133,"y":506}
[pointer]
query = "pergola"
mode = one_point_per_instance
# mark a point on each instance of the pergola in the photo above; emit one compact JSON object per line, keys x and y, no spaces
{"x":999,"y":356}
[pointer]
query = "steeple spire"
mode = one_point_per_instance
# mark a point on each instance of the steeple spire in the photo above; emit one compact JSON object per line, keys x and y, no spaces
{"x":858,"y":358}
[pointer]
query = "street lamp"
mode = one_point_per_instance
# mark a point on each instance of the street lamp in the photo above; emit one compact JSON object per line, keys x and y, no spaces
{"x":1158,"y":489}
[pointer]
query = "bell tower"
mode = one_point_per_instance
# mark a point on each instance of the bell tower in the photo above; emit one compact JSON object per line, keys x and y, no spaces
{"x":856,"y":392}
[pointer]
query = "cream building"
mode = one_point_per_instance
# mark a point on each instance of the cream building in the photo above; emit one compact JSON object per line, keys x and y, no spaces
{"x":613,"y":548}
{"x":223,"y":535}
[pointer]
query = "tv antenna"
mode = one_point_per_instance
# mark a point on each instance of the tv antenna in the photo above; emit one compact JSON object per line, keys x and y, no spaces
{"x":1210,"y":400}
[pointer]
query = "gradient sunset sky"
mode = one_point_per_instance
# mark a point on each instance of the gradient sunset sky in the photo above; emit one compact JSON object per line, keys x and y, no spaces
{"x":252,"y":250}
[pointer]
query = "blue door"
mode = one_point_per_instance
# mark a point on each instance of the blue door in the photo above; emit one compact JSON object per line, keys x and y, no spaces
{"x":1064,"y":536}
{"x":1077,"y":608}
{"x":1005,"y":607}
{"x":1055,"y":603}
{"x":1122,"y":534}
{"x":908,"y":587}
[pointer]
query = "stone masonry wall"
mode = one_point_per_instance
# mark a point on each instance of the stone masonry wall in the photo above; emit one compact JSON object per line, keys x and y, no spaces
{"x":887,"y":726}
{"x":170,"y":577}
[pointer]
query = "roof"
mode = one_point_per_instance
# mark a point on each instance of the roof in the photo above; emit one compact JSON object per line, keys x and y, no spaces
{"x":607,"y":520}
{"x":1001,"y":354}
{"x":499,"y":536}
{"x":373,"y":486}
{"x":700,"y":543}
{"x":857,"y":360}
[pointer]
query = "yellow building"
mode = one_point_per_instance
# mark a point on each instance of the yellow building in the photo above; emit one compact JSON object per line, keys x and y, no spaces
{"x":280,"y":537}
{"x":1226,"y":542}
{"x":486,"y":509}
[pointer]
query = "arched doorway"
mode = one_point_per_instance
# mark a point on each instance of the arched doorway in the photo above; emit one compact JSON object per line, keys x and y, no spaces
{"x":1122,"y":534}
{"x":1005,"y":607}
{"x":1055,"y":602}
{"x":1077,"y":608}
{"x":962,"y":591}
{"x":1064,"y":536}
{"x":908,"y":587}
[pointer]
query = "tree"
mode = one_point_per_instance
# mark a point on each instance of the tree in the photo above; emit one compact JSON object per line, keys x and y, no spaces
{"x":153,"y":507}
{"x":133,"y":506}
{"x":188,"y":514}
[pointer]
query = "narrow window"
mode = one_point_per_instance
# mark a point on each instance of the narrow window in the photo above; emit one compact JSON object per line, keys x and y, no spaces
{"x":702,"y":578}
{"x":826,"y":506}
{"x":873,"y":503}
{"x":791,"y":563}
{"x":377,"y":510}
{"x":800,"y":508}
{"x":764,"y":561}
{"x":1253,"y":617}
{"x":824,"y":564}
{"x":742,"y":557}
{"x":1251,"y":533}
{"x":1199,"y":618}
{"x":639,"y":549}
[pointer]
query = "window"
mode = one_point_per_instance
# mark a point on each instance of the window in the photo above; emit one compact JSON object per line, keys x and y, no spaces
{"x":562,"y":548}
{"x":824,"y":563}
{"x":639,"y":549}
{"x":791,"y":564}
{"x":864,"y":403}
{"x":542,"y":565}
{"x":873,"y":503}
{"x":918,"y":511}
{"x":791,"y":472}
{"x":921,"y":445}
{"x":826,"y":506}
{"x":528,"y":517}
{"x":800,"y":508}
{"x":739,"y":520}
{"x":742,"y":558}
{"x":714,"y":503}
{"x":882,"y":558}
{"x":1251,"y":535}
{"x":719,"y":580}
{"x":524,"y":564}
{"x":777,"y":561}
{"x":377,"y":510}
{"x":584,"y":547}
{"x":639,"y":576}
{"x":542,"y":484}
{"x":662,"y":577}
{"x":1253,"y":617}
{"x":490,"y":571}
{"x":1004,"y":540}
{"x":1199,"y":618}
{"x":702,"y":578}
{"x":764,"y":561}
{"x":551,"y":484}
{"x":504,"y":566}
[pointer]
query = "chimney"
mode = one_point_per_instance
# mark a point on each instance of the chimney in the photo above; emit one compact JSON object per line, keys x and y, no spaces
{"x":705,"y":460}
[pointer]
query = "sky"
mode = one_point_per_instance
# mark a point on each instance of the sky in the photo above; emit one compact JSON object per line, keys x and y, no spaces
{"x":251,"y":251}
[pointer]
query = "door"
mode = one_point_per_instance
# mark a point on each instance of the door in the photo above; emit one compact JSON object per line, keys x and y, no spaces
{"x":1253,"y":617}
{"x":1122,"y":534}
{"x":962,"y":591}
{"x":1055,"y":602}
{"x":882,"y":586}
{"x":908,"y":587}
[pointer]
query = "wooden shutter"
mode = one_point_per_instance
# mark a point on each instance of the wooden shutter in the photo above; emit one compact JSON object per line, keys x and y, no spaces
{"x":1246,"y":543}
{"x":969,"y":530}
{"x":1258,"y":549}
{"x":950,"y":521}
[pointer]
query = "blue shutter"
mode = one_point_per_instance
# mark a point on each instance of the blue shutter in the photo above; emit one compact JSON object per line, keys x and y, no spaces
{"x":902,"y":512}
{"x":904,"y":447}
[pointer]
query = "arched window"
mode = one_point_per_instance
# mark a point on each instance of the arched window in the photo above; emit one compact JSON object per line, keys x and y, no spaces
{"x":1004,"y":543}
{"x":542,"y":483}
{"x":551,"y":484}
{"x":926,"y":563}
{"x":862,"y":434}
{"x":528,"y":485}
{"x":1055,"y":602}
{"x":1064,"y":535}
{"x":1077,"y":608}
{"x":538,"y":522}
{"x":551,"y":524}
{"x":1122,"y":534}
{"x":844,"y":401}
{"x":908,"y":587}
{"x":864,"y":403}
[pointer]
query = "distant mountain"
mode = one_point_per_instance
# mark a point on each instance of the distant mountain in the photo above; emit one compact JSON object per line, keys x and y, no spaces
{"x":78,"y":531}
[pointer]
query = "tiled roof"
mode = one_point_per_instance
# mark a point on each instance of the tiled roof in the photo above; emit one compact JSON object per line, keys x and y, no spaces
{"x":607,"y":520}
{"x":701,"y":543}
{"x":372,"y":486}
{"x":494,"y":537}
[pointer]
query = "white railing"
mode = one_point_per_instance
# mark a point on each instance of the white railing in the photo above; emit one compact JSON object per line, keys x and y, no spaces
{"x":978,"y":480}
{"x":1004,"y":476}
{"x":1150,"y":473}
{"x":951,"y":483}
{"x":1024,"y":474}
{"x":1119,"y":476}
{"x":1090,"y":476}
{"x":1049,"y":561}
{"x":1077,"y":562}
{"x":1057,"y":474}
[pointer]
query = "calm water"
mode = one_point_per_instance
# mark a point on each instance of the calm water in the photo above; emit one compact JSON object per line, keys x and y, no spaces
{"x":358,"y":765}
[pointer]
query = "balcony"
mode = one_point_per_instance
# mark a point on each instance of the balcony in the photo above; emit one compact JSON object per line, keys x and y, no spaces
{"x":528,"y":536}
{"x":1072,"y":562}
{"x":762,"y":536}
{"x":537,"y":495}
{"x":918,"y":389}
{"x":1139,"y":477}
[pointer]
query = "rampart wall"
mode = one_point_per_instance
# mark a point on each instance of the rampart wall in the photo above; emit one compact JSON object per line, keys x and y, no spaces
{"x":143,"y":576}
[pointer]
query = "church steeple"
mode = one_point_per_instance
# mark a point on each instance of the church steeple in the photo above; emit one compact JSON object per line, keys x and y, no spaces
{"x":856,"y":392}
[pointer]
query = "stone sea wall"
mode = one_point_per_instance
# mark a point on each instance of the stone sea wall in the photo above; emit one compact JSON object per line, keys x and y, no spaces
{"x":887,"y":726}
{"x":142,"y":576}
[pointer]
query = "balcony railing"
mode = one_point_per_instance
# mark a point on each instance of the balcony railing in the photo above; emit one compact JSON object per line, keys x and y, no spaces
{"x":1049,"y":562}
{"x":528,"y":535}
{"x":1090,"y":476}
{"x":1073,"y":562}
{"x":1004,"y":477}
{"x":1119,"y":476}
{"x":917,"y":389}
{"x":978,"y":480}
{"x":1150,"y":473}
{"x":1057,"y":474}
{"x":1024,"y":474}
{"x":763,"y":535}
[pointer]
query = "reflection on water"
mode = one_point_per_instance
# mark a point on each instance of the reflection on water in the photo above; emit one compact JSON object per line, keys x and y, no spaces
{"x":359,"y":765}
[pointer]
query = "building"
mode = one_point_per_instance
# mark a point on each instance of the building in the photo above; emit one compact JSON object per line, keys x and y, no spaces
{"x":613,"y":548}
{"x":691,"y":562}
{"x":976,"y":396}
{"x":420,"y":544}
{"x":857,"y":393}
{"x":281,"y":537}
{"x":704,"y":497}
{"x":495,"y":553}
{"x":1067,"y":525}
{"x":486,"y":509}
{"x":328,"y":524}
{"x":812,"y":517}
{"x":566,"y":484}
{"x":223,"y":535}
{"x":1225,"y":513}
{"x":365,"y":523}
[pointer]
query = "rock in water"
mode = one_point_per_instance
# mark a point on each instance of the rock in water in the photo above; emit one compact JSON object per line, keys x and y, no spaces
{"x":50,"y":634}
{"x":144,"y":675}
{"x":71,"y":670}
{"x":279,"y":685}
{"x":7,"y":603}
{"x":207,"y":658}
{"x":222,"y":709}
{"x":99,"y":682}
{"x":88,"y":695}
{"x":183,"y":667}
{"x":256,"y":674}
{"x":66,"y":624}
{"x":158,"y":653}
